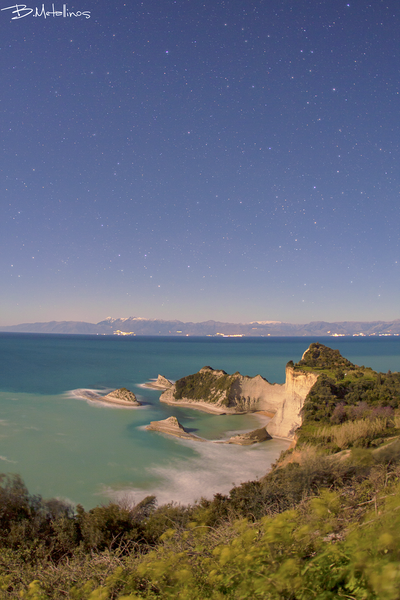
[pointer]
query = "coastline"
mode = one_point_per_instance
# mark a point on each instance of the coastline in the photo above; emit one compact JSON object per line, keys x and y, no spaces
{"x":219,"y":410}
{"x":109,"y":439}
{"x":263,"y":416}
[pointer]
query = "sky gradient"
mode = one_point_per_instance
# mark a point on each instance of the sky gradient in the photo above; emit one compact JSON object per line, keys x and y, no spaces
{"x":227,"y":160}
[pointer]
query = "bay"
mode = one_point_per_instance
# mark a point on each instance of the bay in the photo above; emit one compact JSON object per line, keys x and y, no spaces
{"x":92,"y":453}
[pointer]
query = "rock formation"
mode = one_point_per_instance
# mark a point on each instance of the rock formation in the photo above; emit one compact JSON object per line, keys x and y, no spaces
{"x":171,"y":426}
{"x":122,"y":395}
{"x":252,"y":437}
{"x":222,"y":393}
{"x":161,"y":383}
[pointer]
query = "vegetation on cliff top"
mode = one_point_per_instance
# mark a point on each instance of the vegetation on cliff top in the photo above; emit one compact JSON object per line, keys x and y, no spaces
{"x":320,"y":357}
{"x":348,"y":405}
{"x":205,"y":385}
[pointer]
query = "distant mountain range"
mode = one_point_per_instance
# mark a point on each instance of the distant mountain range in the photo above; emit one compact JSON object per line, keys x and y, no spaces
{"x":140,"y":326}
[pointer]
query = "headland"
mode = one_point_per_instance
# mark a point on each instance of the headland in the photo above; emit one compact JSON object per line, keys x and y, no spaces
{"x":217,"y":392}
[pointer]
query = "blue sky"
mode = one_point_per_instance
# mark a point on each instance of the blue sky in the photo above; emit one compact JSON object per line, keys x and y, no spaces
{"x":221,"y":160}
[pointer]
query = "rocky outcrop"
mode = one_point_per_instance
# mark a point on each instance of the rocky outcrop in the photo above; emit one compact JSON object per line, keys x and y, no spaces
{"x":252,"y":437}
{"x":122,"y":395}
{"x":217,"y":391}
{"x":161,"y":383}
{"x":171,"y":426}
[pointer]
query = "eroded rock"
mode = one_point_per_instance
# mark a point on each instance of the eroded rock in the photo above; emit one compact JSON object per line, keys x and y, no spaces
{"x":252,"y":437}
{"x":122,"y":395}
{"x":161,"y":383}
{"x":171,"y":426}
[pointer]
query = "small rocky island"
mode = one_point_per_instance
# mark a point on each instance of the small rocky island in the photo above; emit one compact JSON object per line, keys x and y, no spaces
{"x":171,"y":426}
{"x":121,"y":396}
{"x":252,"y":437}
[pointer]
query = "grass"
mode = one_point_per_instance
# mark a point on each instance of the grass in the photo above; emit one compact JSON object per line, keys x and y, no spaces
{"x":345,"y":435}
{"x":350,"y":376}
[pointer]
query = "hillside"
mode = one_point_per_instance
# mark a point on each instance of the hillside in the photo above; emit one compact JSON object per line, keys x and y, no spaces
{"x":349,"y":405}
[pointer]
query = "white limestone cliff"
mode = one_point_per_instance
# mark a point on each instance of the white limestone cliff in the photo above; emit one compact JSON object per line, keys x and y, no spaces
{"x":288,"y":414}
{"x":252,"y":394}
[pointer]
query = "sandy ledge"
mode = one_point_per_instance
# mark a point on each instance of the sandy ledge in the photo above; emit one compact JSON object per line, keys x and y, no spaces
{"x":204,"y":407}
{"x":161,"y":383}
{"x":153,"y":385}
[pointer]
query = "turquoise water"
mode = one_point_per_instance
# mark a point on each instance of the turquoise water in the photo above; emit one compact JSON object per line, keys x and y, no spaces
{"x":90,"y":453}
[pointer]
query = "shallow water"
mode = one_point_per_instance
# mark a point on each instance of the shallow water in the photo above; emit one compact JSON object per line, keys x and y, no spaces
{"x":89,"y":453}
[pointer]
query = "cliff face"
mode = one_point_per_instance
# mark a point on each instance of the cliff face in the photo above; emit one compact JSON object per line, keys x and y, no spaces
{"x":219,"y":392}
{"x":287,"y":417}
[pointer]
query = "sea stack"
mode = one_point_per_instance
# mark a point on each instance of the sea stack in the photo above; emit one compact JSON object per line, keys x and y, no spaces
{"x":122,"y":395}
{"x":252,"y":437}
{"x":171,"y":426}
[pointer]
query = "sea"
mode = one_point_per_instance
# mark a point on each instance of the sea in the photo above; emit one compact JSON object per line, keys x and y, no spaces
{"x":92,"y":453}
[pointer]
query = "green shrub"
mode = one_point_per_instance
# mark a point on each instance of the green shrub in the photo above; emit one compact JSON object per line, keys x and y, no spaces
{"x":109,"y":527}
{"x":205,"y":385}
{"x":168,"y":516}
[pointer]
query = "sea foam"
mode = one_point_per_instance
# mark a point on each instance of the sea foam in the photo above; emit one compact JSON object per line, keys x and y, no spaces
{"x":215,"y":469}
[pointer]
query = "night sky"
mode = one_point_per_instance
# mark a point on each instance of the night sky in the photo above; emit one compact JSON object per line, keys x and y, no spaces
{"x":227,"y":160}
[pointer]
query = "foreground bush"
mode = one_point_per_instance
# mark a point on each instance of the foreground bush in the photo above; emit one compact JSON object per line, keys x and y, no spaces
{"x":323,"y":524}
{"x":341,"y":544}
{"x":324,"y":529}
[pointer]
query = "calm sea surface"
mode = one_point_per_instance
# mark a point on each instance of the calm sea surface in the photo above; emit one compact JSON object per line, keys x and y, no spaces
{"x":90,"y":453}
